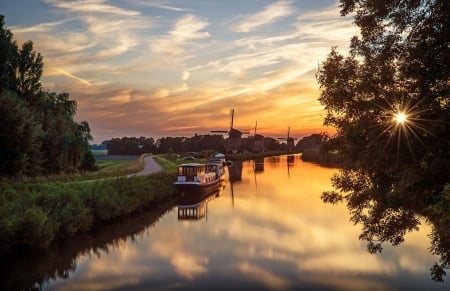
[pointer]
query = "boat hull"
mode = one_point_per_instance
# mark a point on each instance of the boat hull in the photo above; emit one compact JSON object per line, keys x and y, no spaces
{"x":193,"y":187}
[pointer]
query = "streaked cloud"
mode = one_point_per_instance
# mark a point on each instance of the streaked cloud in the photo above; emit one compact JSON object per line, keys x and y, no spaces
{"x":180,"y":60}
{"x":269,"y":14}
{"x":92,"y":6}
{"x":161,"y":5}
{"x":184,"y":31}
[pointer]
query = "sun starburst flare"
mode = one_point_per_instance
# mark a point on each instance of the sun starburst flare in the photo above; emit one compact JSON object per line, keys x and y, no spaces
{"x":403,"y":124}
{"x":400,"y":118}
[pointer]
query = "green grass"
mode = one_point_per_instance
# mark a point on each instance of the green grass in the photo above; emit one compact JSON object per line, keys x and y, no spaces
{"x":112,"y":165}
{"x":35,"y":214}
{"x":99,"y":152}
{"x":170,"y":163}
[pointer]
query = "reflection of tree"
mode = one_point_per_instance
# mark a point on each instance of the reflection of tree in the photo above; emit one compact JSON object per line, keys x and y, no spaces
{"x":439,"y":216}
{"x":30,"y":269}
{"x":395,"y":168}
{"x":386,"y":216}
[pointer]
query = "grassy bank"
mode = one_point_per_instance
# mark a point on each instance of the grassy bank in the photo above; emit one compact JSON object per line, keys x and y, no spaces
{"x":34,"y":213}
{"x":252,"y":156}
{"x":323,"y":159}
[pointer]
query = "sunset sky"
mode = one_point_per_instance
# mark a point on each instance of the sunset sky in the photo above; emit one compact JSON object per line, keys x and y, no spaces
{"x":177,"y":67}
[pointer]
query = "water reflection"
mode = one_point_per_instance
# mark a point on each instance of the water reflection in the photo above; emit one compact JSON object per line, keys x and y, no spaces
{"x":276,"y":236}
{"x":194,"y":205}
{"x":32,"y":269}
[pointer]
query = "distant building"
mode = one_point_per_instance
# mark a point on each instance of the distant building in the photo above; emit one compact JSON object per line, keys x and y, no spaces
{"x":290,"y":144}
{"x":312,"y":142}
{"x":258,"y":143}
{"x":234,"y":141}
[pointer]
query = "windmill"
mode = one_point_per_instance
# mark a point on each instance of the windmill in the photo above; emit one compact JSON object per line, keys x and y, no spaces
{"x":258,"y":141}
{"x":234,"y":136}
{"x":289,"y":140}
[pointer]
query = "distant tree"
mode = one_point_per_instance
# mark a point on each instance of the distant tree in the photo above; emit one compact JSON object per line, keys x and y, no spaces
{"x":399,"y":65}
{"x":271,"y":144}
{"x":213,"y":142}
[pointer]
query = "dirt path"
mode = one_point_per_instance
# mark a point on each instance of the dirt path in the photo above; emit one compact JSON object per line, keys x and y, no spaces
{"x":150,"y":167}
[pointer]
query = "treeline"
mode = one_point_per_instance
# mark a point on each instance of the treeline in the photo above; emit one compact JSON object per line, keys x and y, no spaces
{"x":38,"y":135}
{"x":196,"y":143}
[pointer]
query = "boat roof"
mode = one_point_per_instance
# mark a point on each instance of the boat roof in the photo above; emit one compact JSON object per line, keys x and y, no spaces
{"x":192,"y":165}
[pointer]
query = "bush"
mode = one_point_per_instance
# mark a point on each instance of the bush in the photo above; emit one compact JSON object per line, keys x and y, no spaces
{"x":33,"y":215}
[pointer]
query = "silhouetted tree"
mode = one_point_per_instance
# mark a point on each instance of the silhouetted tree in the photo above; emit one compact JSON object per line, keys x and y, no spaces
{"x":19,"y":139}
{"x":399,"y":64}
{"x":40,"y":134}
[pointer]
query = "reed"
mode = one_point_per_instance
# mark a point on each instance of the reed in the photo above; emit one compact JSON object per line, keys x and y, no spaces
{"x":35,"y":214}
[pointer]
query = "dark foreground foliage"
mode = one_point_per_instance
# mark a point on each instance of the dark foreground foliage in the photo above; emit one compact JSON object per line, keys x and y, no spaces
{"x":39,"y":134}
{"x":395,"y":170}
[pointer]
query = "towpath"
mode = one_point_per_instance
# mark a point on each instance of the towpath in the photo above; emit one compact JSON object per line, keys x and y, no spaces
{"x":150,"y":167}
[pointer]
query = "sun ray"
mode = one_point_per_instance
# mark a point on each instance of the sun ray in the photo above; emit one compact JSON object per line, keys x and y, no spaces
{"x":400,"y":122}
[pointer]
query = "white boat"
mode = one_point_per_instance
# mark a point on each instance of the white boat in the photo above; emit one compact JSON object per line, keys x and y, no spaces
{"x":194,"y":177}
{"x":220,"y":158}
{"x":216,"y":167}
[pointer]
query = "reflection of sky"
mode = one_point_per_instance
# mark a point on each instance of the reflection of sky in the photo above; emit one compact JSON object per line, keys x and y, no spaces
{"x":278,"y":235}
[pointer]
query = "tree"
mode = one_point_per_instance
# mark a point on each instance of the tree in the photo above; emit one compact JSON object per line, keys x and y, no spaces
{"x":389,"y":100}
{"x":38,"y":134}
{"x":29,"y":68}
{"x":19,"y":139}
{"x":8,"y":54}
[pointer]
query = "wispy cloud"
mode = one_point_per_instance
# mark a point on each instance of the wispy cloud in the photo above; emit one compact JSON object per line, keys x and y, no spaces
{"x":92,"y":6}
{"x":271,"y":13}
{"x":185,"y":30}
{"x":161,"y":5}
{"x":40,"y":27}
{"x":124,"y":59}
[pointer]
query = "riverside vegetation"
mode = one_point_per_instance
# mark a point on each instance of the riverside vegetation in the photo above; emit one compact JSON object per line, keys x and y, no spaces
{"x":35,"y":213}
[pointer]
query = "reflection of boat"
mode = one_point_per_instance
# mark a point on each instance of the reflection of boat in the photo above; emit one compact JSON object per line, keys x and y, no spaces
{"x":194,"y":177}
{"x":194,"y":205}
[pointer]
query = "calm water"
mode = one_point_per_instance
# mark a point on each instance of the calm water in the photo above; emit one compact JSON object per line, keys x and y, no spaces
{"x":268,"y":229}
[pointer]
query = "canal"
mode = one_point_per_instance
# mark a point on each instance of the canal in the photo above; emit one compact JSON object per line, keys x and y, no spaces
{"x":267,"y":229}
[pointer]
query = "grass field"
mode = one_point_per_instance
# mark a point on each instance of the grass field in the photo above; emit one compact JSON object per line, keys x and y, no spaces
{"x":99,"y":152}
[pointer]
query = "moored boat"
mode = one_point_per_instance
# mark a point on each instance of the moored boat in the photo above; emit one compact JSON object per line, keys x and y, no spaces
{"x":195,"y":177}
{"x":216,"y":167}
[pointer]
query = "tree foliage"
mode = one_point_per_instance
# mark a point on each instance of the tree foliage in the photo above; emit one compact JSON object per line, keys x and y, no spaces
{"x":394,"y":169}
{"x":196,"y":143}
{"x":38,"y":133}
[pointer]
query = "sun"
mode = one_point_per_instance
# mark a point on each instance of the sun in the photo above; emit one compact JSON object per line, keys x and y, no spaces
{"x":400,"y":117}
{"x":401,"y":123}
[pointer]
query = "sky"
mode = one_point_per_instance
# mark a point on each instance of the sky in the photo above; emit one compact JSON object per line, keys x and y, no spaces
{"x":177,"y":67}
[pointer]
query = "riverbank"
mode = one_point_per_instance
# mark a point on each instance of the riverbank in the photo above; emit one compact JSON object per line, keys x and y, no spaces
{"x":254,"y":156}
{"x":34,"y":214}
{"x":38,"y":212}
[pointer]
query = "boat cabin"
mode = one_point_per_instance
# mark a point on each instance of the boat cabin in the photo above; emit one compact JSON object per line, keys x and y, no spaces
{"x":194,"y":172}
